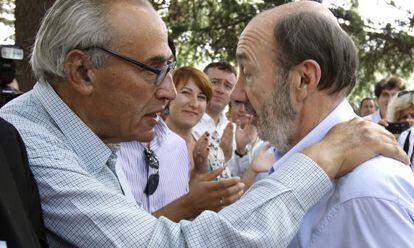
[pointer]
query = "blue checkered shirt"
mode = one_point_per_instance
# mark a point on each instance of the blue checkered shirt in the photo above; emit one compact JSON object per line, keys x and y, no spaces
{"x":84,"y":206}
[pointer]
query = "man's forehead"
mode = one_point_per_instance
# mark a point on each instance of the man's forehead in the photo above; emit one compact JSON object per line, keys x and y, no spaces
{"x":392,"y":91}
{"x":216,"y":73}
{"x":266,"y":21}
{"x":136,"y":26}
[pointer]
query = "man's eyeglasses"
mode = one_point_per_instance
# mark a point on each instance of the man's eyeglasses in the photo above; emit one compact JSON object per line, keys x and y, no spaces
{"x":405,"y":92}
{"x":153,"y":179}
{"x":161,"y":73}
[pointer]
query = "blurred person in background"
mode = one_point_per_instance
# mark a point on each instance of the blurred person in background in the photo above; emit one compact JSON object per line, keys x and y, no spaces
{"x":253,"y":156}
{"x":223,"y":77}
{"x":366,"y":106}
{"x":401,"y":109}
{"x":384,"y":91}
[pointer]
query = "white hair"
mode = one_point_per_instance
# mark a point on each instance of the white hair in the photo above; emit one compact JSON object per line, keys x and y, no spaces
{"x":68,"y":25}
{"x":398,"y":104}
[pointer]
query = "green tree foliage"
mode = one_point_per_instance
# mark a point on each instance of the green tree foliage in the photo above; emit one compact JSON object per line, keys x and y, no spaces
{"x":383,"y":51}
{"x":6,"y":8}
{"x":208,"y":30}
{"x":7,"y":13}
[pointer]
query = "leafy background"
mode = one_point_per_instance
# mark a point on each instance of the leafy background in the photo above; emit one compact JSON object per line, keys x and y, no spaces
{"x":208,"y":30}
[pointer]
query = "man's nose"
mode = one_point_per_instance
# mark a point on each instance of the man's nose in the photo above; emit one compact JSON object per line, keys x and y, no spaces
{"x":167,"y":91}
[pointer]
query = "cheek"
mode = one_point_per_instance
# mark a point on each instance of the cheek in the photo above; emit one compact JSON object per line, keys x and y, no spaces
{"x":203,"y":106}
{"x":177,"y":104}
{"x":256,"y":96}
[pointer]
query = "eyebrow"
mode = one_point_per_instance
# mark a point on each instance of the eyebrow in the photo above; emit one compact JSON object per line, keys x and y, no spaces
{"x":186,"y":88}
{"x":159,"y":59}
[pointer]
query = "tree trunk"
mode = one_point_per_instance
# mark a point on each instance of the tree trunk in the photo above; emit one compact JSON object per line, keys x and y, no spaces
{"x":29,"y":14}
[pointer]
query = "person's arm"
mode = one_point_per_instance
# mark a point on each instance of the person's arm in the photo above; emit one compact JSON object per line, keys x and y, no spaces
{"x":204,"y":194}
{"x":84,"y":212}
{"x":352,"y":143}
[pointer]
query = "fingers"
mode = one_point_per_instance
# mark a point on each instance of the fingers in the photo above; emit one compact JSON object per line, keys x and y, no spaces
{"x":229,"y":128}
{"x":232,"y":194}
{"x":232,"y":190}
{"x":383,"y":123}
{"x":200,"y":154}
{"x":224,"y":183}
{"x":211,"y":175}
{"x":204,"y":136}
{"x":393,"y":150}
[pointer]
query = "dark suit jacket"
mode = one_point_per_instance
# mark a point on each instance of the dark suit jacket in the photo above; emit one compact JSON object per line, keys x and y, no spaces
{"x":21,"y":220}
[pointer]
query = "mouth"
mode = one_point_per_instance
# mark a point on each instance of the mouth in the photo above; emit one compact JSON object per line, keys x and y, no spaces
{"x":250,"y":110}
{"x":190,"y":112}
{"x":153,"y":118}
{"x":217,"y":98}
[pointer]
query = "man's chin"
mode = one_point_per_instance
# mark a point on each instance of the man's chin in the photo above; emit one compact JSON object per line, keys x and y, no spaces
{"x":146,"y":136}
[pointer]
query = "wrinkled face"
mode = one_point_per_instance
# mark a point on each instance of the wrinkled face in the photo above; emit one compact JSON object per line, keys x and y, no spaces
{"x":406,"y":114}
{"x":385,"y":98}
{"x":367,"y":107}
{"x":266,"y":87}
{"x":126,"y":100}
{"x":223,"y":84}
{"x":189,"y":105}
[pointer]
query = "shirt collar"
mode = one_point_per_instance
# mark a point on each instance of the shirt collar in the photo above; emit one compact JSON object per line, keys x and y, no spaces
{"x":89,"y":147}
{"x":222,"y":118}
{"x":343,"y":112}
{"x":160,"y":135}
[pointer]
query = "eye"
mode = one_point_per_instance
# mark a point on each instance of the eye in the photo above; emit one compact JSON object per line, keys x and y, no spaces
{"x":202,"y":97}
{"x":185,"y":92}
{"x":214,"y":81}
{"x":247,"y":75}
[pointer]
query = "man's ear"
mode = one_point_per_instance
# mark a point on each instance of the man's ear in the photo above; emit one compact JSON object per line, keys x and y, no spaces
{"x":79,"y":73}
{"x":305,"y":77}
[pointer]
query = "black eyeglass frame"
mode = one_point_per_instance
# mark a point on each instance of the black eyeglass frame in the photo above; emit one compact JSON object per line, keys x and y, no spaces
{"x":153,"y":180}
{"x":161,"y":73}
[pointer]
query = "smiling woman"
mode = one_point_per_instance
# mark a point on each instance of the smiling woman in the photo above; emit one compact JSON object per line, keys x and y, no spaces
{"x":194,"y":91}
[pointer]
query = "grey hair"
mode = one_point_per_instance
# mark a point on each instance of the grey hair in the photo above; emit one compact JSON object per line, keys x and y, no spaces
{"x":307,"y":35}
{"x":397,"y":105}
{"x":68,"y":25}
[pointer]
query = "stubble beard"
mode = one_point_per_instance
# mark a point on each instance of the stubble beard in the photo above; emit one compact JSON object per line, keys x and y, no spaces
{"x":277,"y":117}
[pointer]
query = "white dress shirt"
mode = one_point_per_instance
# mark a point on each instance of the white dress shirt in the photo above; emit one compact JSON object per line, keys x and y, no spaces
{"x":372,"y":206}
{"x":406,"y":141}
{"x":376,"y":116}
{"x":207,"y":124}
{"x":174,"y":168}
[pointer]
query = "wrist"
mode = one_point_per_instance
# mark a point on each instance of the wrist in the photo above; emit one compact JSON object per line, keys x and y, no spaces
{"x":188,"y":205}
{"x":251,"y":170}
{"x":329,"y":163}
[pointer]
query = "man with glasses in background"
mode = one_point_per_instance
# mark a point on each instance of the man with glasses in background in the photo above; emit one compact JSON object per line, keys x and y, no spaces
{"x":104,"y":75}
